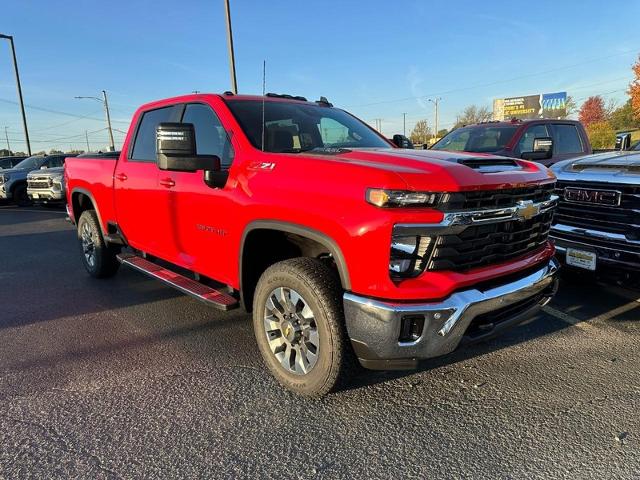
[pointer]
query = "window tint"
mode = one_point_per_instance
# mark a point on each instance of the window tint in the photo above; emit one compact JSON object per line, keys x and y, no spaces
{"x":55,"y":162}
{"x":144,"y":148}
{"x":481,"y":139}
{"x":211,"y":137}
{"x":526,"y":142}
{"x":294,"y":127}
{"x":567,"y":139}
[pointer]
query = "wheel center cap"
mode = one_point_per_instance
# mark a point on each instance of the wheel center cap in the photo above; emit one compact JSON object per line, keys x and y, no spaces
{"x":290,"y":330}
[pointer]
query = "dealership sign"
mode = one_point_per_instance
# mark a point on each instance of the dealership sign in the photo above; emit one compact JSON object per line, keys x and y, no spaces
{"x":546,"y":105}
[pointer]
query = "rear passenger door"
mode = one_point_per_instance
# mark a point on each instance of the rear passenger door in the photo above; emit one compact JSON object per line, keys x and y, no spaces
{"x":567,"y":142}
{"x":138,"y":197}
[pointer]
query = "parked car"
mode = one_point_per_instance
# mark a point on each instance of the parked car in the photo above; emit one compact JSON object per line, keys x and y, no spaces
{"x":13,"y":182}
{"x":597,"y":224}
{"x":9,"y":162}
{"x":568,"y":139}
{"x":48,"y":186}
{"x":341,"y":245}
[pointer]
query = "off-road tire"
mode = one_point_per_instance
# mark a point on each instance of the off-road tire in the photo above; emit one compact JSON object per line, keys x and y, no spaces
{"x":105,"y":264}
{"x":320,"y":288}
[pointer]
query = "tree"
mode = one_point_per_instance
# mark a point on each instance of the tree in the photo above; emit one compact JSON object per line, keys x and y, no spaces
{"x":4,"y":152}
{"x":421,"y":132}
{"x":601,"y":135}
{"x":473,"y":114}
{"x":634,"y":89}
{"x":570,"y":108}
{"x":592,"y":111}
{"x":442,"y":133}
{"x":622,"y":118}
{"x":53,"y":151}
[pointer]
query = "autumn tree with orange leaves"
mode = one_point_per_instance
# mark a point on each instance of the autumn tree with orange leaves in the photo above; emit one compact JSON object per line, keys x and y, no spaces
{"x":592,"y":111}
{"x":634,"y":90}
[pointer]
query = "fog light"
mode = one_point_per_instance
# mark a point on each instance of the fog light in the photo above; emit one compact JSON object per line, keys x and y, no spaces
{"x":411,"y":327}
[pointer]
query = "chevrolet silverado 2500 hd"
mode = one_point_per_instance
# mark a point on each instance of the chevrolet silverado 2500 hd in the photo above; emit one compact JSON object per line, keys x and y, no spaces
{"x":343,"y":246}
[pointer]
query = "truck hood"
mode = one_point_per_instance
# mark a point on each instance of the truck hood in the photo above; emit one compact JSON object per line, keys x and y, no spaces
{"x":46,"y":172}
{"x":442,"y":170}
{"x":605,"y":167}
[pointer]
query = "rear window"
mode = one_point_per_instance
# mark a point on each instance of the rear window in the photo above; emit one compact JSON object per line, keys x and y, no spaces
{"x":566,"y":139}
{"x":480,"y":139}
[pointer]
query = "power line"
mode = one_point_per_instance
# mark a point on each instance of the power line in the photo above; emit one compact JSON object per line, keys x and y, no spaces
{"x":58,"y":112}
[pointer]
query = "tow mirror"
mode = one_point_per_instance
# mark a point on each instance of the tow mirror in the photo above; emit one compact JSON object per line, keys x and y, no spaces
{"x":401,"y":141}
{"x":542,"y":149}
{"x":176,"y":149}
{"x":623,"y":141}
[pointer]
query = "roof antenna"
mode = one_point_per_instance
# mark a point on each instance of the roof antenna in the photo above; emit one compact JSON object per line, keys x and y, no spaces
{"x":264,"y":87}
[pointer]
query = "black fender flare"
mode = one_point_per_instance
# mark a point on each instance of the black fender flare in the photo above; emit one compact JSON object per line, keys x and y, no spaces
{"x":78,"y":190}
{"x":303,"y":231}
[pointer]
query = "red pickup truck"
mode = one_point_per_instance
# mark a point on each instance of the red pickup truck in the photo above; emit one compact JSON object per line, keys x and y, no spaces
{"x":343,"y":246}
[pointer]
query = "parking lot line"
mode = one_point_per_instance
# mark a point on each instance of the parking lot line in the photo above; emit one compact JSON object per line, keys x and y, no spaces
{"x":32,"y":211}
{"x":561,"y":315}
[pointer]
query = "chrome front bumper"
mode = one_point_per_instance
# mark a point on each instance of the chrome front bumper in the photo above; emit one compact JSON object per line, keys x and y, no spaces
{"x":45,"y":194}
{"x":375,"y":326}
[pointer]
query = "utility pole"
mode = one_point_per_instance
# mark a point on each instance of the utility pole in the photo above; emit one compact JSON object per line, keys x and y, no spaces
{"x":15,"y":68}
{"x":6,"y":135}
{"x":232,"y":58}
{"x":436,"y":102}
{"x":106,"y":109}
{"x":105,"y":104}
{"x":86,"y":136}
{"x":404,"y":124}
{"x":378,"y":124}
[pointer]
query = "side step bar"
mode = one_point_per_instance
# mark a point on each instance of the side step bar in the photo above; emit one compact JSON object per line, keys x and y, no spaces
{"x":210,"y":296}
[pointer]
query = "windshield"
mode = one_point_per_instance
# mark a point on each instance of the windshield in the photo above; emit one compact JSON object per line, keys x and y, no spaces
{"x":292,"y":127}
{"x":477,"y":139}
{"x":31,"y":162}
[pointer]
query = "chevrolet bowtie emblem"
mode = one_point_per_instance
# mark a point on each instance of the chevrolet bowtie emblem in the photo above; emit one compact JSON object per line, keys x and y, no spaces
{"x":526,"y":209}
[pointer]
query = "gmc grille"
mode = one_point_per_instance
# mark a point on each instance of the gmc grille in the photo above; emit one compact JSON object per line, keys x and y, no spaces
{"x":38,"y":184}
{"x":623,"y":219}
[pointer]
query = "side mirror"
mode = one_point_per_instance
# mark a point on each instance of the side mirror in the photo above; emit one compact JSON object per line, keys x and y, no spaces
{"x":623,"y":141}
{"x":176,"y":149}
{"x":542,"y":149}
{"x":401,"y":141}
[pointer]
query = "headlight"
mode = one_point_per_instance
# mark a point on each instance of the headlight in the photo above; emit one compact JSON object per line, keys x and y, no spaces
{"x":409,"y":255}
{"x":401,"y":198}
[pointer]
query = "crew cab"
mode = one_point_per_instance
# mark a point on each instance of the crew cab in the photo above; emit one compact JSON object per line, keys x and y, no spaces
{"x":13,"y":181}
{"x":543,"y":140}
{"x":597,"y":224}
{"x":341,"y":245}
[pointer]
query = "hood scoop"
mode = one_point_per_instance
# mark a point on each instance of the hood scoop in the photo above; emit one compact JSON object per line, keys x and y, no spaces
{"x":490,"y":165}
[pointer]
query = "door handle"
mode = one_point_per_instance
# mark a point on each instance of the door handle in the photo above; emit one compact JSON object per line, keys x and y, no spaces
{"x":120,"y":176}
{"x":167,"y":182}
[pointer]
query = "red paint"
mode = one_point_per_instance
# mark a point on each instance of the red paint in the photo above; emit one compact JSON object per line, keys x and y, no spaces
{"x":200,"y":228}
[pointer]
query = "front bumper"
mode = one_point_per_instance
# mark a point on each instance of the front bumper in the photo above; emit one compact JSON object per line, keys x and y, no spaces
{"x":470,"y":315}
{"x":5,"y":193}
{"x":47,"y":195}
{"x":614,"y":250}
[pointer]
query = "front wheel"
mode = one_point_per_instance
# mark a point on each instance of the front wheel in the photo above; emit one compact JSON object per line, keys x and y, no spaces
{"x":20,"y":196}
{"x":298,"y":321}
{"x":99,"y":259}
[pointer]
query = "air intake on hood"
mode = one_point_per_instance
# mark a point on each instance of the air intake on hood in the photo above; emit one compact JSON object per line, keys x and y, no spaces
{"x":490,"y":165}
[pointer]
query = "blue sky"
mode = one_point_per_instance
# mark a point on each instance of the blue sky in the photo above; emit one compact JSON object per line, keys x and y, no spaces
{"x":377,"y":59}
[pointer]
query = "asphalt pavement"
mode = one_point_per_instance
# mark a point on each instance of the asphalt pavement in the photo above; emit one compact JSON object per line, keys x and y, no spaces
{"x":126,"y":378}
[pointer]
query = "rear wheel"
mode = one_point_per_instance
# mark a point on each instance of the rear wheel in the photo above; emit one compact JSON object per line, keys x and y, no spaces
{"x":299,"y":326}
{"x":99,"y":258}
{"x":20,"y":196}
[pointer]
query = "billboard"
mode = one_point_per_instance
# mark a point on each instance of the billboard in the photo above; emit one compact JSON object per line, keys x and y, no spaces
{"x":546,"y":105}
